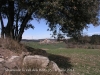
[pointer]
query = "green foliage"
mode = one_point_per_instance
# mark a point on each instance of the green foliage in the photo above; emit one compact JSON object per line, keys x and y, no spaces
{"x":95,"y":39}
{"x":72,"y":15}
{"x":68,"y":16}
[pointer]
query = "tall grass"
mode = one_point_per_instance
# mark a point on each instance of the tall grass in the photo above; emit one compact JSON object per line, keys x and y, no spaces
{"x":12,"y":45}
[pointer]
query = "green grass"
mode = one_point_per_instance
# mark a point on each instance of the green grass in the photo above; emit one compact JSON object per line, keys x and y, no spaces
{"x":46,"y":46}
{"x":84,"y":61}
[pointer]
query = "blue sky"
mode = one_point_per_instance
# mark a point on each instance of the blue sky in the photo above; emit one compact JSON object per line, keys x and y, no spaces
{"x":40,"y":30}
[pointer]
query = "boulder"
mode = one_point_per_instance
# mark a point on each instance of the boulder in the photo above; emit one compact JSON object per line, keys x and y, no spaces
{"x":15,"y":61}
{"x":12,"y":62}
{"x":53,"y":66}
{"x":36,"y":60}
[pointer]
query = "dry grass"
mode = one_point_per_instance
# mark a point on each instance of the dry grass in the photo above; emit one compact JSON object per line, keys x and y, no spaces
{"x":11,"y":45}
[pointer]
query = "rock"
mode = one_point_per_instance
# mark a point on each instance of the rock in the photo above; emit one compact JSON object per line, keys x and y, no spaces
{"x":13,"y":58}
{"x":2,"y":69}
{"x":10,"y":65}
{"x":54,"y":68}
{"x":36,"y":60}
{"x":12,"y":62}
{"x":52,"y":65}
{"x":15,"y":61}
{"x":1,"y":60}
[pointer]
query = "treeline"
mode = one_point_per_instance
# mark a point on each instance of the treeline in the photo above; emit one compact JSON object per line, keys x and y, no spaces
{"x":94,"y":40}
{"x":88,"y":42}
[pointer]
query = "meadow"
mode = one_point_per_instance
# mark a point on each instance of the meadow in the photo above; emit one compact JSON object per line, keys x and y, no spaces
{"x":83,"y":61}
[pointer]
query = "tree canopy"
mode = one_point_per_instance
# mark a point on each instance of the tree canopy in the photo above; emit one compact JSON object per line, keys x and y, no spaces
{"x":69,"y":16}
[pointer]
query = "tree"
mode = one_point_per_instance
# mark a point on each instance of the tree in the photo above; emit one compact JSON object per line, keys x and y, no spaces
{"x":2,"y":2}
{"x":71,"y":16}
{"x":95,"y":39}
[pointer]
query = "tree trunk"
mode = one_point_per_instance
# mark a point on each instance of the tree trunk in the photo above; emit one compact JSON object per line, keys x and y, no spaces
{"x":12,"y":31}
{"x":23,"y":25}
{"x":16,"y":26}
{"x":10,"y":27}
{"x":2,"y":27}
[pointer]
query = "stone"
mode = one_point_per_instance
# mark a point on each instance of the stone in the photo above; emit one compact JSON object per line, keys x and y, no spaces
{"x":54,"y":68}
{"x":2,"y":69}
{"x":52,"y":65}
{"x":36,"y":60}
{"x":1,"y":60}
{"x":16,"y":61}
{"x":13,"y":58}
{"x":11,"y":62}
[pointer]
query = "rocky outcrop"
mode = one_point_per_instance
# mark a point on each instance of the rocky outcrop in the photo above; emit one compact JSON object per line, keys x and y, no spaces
{"x":25,"y":60}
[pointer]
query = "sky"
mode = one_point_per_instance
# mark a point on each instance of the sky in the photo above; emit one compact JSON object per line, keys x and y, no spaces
{"x":40,"y":30}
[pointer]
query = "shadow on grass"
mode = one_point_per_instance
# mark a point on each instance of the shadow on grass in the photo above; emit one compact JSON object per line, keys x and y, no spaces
{"x":62,"y":62}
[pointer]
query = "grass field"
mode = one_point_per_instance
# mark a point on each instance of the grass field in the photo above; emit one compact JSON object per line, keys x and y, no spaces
{"x":84,"y":61}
